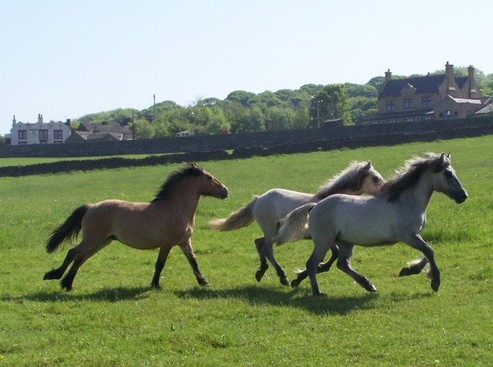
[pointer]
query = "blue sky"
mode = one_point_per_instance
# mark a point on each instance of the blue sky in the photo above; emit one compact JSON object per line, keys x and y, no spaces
{"x":67,"y":58}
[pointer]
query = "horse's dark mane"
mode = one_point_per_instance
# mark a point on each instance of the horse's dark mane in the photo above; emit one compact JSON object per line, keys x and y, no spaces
{"x":351,"y":178}
{"x":175,"y":178}
{"x":410,"y":173}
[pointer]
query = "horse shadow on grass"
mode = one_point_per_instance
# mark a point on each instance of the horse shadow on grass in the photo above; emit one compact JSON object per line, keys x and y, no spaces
{"x":297,"y":298}
{"x":103,"y":295}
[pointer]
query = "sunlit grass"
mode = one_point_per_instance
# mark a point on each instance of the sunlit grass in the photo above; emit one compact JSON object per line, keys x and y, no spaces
{"x":112,"y":318}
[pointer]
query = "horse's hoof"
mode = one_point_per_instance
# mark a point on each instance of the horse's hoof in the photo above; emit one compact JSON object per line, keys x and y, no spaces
{"x":371,"y":288}
{"x":319,"y":294}
{"x":405,"y":272}
{"x":66,"y":284}
{"x":67,"y":287}
{"x":156,"y":286}
{"x":259,"y":275}
{"x":409,"y":271}
{"x":52,"y":274}
{"x":295,"y":283}
{"x":284,"y":281}
{"x":435,"y":284}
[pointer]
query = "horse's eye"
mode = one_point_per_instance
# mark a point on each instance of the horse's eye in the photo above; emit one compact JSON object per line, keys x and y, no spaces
{"x":376,"y":179}
{"x":448,"y":174}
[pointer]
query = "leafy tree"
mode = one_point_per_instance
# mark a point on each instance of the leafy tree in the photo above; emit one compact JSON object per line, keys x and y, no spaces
{"x":250,"y":120}
{"x":282,"y":118}
{"x":302,"y":117}
{"x":331,"y":103}
{"x":160,"y":130}
{"x":151,"y":113}
{"x":362,"y":107}
{"x":119,"y":116}
{"x":241,"y":97}
{"x":358,"y":90}
{"x":142,"y":129}
{"x":177,"y":120}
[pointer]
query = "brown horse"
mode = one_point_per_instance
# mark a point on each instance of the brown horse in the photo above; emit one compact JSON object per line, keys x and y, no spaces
{"x":163,"y":223}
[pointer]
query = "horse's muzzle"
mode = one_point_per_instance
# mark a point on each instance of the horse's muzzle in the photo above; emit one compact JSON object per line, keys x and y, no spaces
{"x":222,"y":193}
{"x":461,"y":197}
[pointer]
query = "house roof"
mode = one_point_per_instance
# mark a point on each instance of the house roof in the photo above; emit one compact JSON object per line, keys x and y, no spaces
{"x":89,"y":136}
{"x":465,"y":100}
{"x":423,"y":84}
{"x":123,"y":131}
{"x":461,"y":81}
{"x":487,"y":109}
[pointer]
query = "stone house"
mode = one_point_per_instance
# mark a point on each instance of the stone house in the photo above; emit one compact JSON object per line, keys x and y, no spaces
{"x":430,"y":97}
{"x":39,"y":132}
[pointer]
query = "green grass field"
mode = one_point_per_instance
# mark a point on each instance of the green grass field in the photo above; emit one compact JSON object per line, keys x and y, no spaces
{"x":113,"y":318}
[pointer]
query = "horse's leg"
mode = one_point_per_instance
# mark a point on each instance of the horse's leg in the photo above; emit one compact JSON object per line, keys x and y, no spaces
{"x":260,"y":244}
{"x":161,"y":260}
{"x":312,"y":265}
{"x":269,"y":254}
{"x":414,"y":267}
{"x":322,"y":267}
{"x":58,"y":273}
{"x":418,"y":243}
{"x":345,"y":253}
{"x":188,"y":251}
{"x":82,"y":252}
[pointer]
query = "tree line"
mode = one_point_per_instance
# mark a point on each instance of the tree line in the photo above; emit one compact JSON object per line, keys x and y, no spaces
{"x":312,"y":105}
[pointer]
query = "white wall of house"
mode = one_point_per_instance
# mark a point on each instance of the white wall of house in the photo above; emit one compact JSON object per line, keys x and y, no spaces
{"x":39,"y":132}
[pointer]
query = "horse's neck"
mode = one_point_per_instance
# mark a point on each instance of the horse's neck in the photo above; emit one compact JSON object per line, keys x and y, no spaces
{"x":335,"y":188}
{"x":420,"y":195}
{"x":184,"y":201}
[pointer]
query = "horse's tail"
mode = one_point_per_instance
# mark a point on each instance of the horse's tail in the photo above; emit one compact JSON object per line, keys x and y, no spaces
{"x":68,"y":230}
{"x":295,"y":225}
{"x":236,"y":220}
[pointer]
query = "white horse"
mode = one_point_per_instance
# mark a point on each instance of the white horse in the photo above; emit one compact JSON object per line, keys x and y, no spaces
{"x":397,"y":214}
{"x":275,"y":204}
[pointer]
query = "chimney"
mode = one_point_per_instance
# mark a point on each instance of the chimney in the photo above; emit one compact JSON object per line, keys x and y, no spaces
{"x":14,"y":121}
{"x":470,"y":75}
{"x":449,"y":75}
{"x":40,"y":118}
{"x":449,"y":70}
{"x":388,"y":75}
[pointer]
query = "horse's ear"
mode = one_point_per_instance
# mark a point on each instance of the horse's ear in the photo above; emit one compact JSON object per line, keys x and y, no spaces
{"x":449,"y":156}
{"x":442,"y":158}
{"x":368,"y":165}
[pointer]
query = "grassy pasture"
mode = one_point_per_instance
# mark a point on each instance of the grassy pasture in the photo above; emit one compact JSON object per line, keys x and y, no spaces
{"x":112,"y":318}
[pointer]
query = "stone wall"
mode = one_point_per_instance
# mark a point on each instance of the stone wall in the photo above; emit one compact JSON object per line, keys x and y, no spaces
{"x":191,"y":149}
{"x":331,"y":136}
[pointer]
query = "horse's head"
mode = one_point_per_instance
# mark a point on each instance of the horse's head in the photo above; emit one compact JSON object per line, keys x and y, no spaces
{"x":372,"y":180}
{"x":211,"y":186}
{"x":446,"y":181}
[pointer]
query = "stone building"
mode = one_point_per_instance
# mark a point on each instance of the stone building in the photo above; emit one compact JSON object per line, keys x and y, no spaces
{"x":39,"y":132}
{"x":430,"y":97}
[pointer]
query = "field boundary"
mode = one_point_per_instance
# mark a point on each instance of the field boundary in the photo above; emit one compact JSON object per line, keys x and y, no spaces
{"x":323,"y":144}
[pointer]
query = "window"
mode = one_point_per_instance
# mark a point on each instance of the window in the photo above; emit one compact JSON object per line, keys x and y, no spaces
{"x":58,"y":134}
{"x":408,"y":104}
{"x":426,"y":102}
{"x":43,"y":135}
{"x":390,"y":106}
{"x":22,"y":134}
